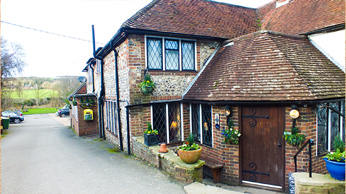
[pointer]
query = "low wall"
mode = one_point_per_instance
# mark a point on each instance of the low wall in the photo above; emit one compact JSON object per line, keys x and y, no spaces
{"x":169,"y":162}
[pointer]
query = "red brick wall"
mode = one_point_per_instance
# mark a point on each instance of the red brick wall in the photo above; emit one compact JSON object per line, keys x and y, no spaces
{"x":222,"y":152}
{"x":83,"y":127}
{"x":306,"y":124}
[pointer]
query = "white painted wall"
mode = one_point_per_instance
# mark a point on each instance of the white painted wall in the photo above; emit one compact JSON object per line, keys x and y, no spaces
{"x":331,"y":44}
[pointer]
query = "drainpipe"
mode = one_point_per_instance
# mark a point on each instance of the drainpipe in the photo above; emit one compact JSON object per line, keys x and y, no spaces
{"x":128,"y":130}
{"x":93,"y":78}
{"x":128,"y":127}
{"x":117,"y":98}
{"x":100,"y":99}
{"x":100,"y":104}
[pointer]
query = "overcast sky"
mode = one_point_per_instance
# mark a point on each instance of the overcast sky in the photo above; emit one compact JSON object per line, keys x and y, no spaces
{"x":50,"y":55}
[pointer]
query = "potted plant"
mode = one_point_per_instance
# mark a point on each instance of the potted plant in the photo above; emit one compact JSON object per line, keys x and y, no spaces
{"x":147,"y":86}
{"x":294,"y":138}
{"x":190,"y":152}
{"x":335,"y":161}
{"x":74,"y":102}
{"x":231,"y":135}
{"x":150,"y":136}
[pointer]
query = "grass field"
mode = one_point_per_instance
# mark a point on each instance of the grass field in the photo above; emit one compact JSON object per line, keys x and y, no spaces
{"x":30,"y":94}
{"x":40,"y":111}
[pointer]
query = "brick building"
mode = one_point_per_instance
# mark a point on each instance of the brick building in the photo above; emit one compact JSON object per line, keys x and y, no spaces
{"x":205,"y":57}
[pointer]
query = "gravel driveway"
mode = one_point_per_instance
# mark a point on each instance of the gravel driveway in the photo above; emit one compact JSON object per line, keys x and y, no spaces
{"x":41,"y":156}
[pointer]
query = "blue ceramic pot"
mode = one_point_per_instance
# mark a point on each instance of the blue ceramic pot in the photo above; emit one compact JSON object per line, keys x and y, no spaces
{"x":336,"y":169}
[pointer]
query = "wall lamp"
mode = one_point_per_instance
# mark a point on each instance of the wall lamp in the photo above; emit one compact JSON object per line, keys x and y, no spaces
{"x":228,"y":111}
{"x":294,"y":113}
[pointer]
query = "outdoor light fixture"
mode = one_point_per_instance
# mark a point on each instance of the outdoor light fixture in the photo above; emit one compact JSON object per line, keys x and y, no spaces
{"x":228,"y":110}
{"x":294,"y":113}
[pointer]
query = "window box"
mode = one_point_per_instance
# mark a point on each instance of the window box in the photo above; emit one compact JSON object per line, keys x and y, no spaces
{"x":151,"y":139}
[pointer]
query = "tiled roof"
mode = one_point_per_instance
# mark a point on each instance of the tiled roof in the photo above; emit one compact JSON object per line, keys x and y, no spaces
{"x":195,"y":17}
{"x":268,"y":66}
{"x":302,"y":16}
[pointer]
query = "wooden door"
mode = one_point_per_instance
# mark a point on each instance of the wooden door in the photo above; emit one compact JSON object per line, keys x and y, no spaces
{"x":262,"y":147}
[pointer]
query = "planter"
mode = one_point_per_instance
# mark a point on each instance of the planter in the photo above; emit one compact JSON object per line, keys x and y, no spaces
{"x":147,"y":89}
{"x":189,"y":157}
{"x":150,"y":139}
{"x":336,"y":169}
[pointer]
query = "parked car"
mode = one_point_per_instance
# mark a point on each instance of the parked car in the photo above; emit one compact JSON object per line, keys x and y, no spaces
{"x":63,"y":112}
{"x":14,"y":117}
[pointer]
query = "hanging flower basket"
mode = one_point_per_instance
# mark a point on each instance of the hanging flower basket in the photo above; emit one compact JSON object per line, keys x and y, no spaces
{"x":147,"y":89}
{"x":147,"y":85}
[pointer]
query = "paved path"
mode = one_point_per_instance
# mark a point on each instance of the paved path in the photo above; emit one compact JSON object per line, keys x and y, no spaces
{"x":42,"y":156}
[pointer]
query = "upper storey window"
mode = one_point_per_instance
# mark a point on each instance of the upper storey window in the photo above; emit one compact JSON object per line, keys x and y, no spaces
{"x":171,"y":54}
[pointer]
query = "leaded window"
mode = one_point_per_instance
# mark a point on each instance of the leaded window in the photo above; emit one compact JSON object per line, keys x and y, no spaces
{"x":174,"y":115}
{"x":167,"y":120}
{"x":206,"y":124}
{"x":159,"y":120}
{"x":329,"y":124}
{"x":111,"y":116}
{"x":154,"y":53}
{"x":170,"y":54}
{"x":188,"y":55}
{"x":195,"y":121}
{"x":201,"y":123}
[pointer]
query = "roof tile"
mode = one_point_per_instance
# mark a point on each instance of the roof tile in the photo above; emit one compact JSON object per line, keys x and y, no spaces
{"x":302,"y":16}
{"x":195,"y":17}
{"x":268,"y":66}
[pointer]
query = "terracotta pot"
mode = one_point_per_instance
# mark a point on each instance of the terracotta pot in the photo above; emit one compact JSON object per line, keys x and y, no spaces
{"x":163,"y":148}
{"x":189,"y":157}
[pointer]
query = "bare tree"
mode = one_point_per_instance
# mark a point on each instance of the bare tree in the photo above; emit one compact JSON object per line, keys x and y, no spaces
{"x":12,"y":59}
{"x":12,"y":63}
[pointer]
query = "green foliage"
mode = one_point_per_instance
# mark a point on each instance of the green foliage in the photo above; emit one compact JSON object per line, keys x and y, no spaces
{"x":191,"y":139}
{"x":293,"y":138}
{"x":150,"y":130}
{"x":339,"y":144}
{"x":231,"y":135}
{"x":337,"y":156}
{"x":147,"y":83}
{"x":190,"y":145}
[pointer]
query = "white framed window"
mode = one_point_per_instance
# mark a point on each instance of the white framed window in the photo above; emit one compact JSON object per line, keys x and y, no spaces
{"x":170,"y":54}
{"x":98,"y":66}
{"x":111,"y":123}
{"x":167,"y":119}
{"x":90,"y":75}
{"x":330,"y":123}
{"x":201,"y":123}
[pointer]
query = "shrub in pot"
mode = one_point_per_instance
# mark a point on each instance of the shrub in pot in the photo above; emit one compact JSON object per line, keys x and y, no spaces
{"x":190,"y":151}
{"x":150,"y":136}
{"x":335,"y":161}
